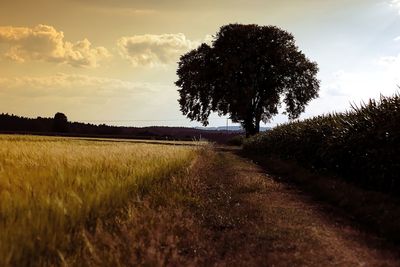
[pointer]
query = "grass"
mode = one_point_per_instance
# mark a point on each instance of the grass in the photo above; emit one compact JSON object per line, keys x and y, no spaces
{"x":52,"y":187}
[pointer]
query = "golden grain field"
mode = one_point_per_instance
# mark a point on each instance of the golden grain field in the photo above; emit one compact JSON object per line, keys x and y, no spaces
{"x":52,"y":186}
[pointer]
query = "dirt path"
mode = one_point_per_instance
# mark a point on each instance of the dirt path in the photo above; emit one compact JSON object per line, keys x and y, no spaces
{"x":250,"y":219}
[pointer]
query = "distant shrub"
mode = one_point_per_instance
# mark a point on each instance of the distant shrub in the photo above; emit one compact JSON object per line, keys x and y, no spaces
{"x":237,"y":140}
{"x":362,"y":145}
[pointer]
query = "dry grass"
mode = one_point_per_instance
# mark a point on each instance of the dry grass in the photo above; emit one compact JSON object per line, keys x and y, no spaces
{"x":51,"y":188}
{"x":159,"y":229}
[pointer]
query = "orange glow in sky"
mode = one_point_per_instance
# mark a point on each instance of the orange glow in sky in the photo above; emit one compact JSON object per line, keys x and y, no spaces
{"x":115,"y":61}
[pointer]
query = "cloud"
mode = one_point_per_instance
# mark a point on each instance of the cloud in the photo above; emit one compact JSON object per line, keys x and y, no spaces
{"x":150,"y":50}
{"x":45,"y":43}
{"x":380,"y":77}
{"x":88,"y":98}
{"x":353,"y":86}
{"x":119,"y":11}
{"x":395,"y":4}
{"x":391,"y":65}
{"x":71,"y":85}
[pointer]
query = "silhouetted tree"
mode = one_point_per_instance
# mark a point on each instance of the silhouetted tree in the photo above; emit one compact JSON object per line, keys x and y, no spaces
{"x":60,"y":123}
{"x":246,"y":73}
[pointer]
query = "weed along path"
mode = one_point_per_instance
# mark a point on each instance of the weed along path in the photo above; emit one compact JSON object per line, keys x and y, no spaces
{"x":250,"y":219}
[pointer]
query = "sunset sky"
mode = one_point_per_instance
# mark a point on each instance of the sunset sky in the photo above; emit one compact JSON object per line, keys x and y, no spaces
{"x":114,"y":61}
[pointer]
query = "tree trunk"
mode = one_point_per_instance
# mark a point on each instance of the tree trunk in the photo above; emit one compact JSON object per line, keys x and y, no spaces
{"x":249,"y":126}
{"x":251,"y":129}
{"x":257,"y":128}
{"x":252,"y":124}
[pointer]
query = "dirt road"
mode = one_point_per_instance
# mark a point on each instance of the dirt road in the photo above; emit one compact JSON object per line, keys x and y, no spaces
{"x":251,"y":219}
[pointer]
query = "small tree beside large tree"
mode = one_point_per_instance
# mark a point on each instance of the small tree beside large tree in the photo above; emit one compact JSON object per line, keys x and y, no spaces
{"x":246,"y":73}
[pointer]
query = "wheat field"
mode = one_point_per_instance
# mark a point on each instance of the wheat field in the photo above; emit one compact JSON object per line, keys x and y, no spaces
{"x":52,"y":186}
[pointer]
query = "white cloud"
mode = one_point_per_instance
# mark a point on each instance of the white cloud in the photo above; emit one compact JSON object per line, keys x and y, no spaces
{"x":391,"y":64}
{"x":45,"y":43}
{"x":395,"y":4}
{"x":150,"y":50}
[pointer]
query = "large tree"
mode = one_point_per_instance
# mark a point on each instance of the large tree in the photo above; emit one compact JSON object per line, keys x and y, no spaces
{"x":246,"y":73}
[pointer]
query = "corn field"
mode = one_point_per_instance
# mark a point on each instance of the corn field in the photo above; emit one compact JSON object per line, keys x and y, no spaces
{"x":361,"y":146}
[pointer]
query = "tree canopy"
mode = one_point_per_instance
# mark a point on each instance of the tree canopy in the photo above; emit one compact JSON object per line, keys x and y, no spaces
{"x":60,"y":123}
{"x":246,"y":73}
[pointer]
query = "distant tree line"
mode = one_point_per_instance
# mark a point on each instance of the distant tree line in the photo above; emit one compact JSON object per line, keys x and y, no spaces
{"x":11,"y":123}
{"x":60,"y":125}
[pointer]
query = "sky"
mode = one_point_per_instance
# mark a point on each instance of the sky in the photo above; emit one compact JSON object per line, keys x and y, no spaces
{"x":115,"y":61}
